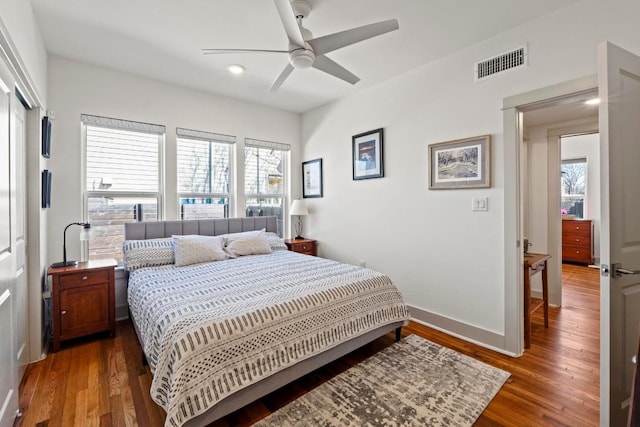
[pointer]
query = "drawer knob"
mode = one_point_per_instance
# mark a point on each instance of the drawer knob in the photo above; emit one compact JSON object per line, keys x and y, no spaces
{"x":577,"y":252}
{"x":64,"y":312}
{"x":84,"y":277}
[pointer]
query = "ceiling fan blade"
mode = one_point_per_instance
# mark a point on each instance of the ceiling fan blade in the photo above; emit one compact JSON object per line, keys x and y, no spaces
{"x":331,"y":42}
{"x":218,"y":51}
{"x":281,"y":78}
{"x":329,"y":66}
{"x":289,"y":22}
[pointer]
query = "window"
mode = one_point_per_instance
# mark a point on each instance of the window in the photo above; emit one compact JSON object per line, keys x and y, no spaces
{"x":574,"y":179}
{"x":204,"y":174}
{"x":265,"y":179}
{"x":122,"y":170}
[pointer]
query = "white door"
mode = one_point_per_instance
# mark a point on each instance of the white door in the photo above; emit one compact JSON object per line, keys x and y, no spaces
{"x":21,"y":309}
{"x":8,"y":367}
{"x":619,"y":90}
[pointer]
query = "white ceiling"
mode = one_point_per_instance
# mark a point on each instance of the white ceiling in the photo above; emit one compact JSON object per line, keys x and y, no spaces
{"x":162,"y":39}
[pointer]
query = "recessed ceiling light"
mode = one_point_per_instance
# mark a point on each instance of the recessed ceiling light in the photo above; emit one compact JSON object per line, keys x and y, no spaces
{"x":594,"y":101}
{"x":236,"y":69}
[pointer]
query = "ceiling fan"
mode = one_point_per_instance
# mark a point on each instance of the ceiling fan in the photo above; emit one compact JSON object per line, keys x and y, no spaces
{"x":306,"y":51}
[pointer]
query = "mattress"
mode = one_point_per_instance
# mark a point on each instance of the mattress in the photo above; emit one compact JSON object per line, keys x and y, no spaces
{"x":212,"y":329}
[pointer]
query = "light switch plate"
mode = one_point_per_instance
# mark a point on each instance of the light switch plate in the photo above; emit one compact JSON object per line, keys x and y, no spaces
{"x":480,"y":204}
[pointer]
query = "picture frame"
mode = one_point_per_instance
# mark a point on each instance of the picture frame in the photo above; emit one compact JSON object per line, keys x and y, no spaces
{"x":46,"y":137}
{"x":462,"y":163}
{"x":312,"y":178}
{"x":367,"y":155}
{"x":46,"y":189}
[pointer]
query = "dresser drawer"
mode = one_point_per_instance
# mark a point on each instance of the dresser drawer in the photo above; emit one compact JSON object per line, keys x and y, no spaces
{"x":576,"y":227}
{"x":577,"y":240}
{"x":84,"y":278}
{"x":576,"y":254}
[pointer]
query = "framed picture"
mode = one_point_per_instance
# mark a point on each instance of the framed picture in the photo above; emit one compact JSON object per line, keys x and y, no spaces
{"x":46,"y":188}
{"x":312,"y":178}
{"x":367,"y":155}
{"x":463,"y":163}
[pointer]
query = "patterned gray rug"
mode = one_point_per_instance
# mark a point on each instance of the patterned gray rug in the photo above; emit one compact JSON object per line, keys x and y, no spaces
{"x":414,"y":382}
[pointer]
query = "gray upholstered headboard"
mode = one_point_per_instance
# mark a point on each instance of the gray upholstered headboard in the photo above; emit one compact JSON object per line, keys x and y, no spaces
{"x":207,"y":227}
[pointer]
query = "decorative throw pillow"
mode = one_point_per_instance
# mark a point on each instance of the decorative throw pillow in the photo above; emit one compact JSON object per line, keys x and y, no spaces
{"x":243,"y":235}
{"x":147,"y":253}
{"x":251,"y":246}
{"x":194,"y":249}
{"x":275,"y":241}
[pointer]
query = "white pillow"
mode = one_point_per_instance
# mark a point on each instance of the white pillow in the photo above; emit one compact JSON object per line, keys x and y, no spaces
{"x":275,"y":241}
{"x":249,"y":246}
{"x":243,"y":235}
{"x":147,"y":253}
{"x":193,"y":249}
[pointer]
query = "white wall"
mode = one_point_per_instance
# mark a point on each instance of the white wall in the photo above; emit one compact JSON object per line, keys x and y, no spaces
{"x":588,"y":146}
{"x":447,"y":260}
{"x":76,"y":88}
{"x":18,"y":19}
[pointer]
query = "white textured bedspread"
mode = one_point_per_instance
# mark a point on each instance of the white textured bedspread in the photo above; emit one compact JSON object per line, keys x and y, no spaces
{"x":211,"y":329}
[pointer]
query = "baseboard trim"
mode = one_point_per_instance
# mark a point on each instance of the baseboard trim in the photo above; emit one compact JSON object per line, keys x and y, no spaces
{"x":474,"y":334}
{"x":122,"y":312}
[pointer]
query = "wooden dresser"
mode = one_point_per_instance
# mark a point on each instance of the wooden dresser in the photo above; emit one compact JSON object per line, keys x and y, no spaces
{"x":577,"y":241}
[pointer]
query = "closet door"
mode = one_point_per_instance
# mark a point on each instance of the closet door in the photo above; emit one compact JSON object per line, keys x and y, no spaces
{"x":8,"y":264}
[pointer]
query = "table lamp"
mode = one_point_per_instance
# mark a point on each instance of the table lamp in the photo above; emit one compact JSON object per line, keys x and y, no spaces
{"x":298,"y":209}
{"x":86,"y":228}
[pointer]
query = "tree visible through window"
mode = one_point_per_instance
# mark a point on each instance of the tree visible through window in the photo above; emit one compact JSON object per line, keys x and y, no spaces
{"x":574,"y":183}
{"x":264,"y":175}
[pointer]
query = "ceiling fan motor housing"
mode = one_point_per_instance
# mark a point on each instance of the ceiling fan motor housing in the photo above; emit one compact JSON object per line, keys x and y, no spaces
{"x":301,"y":58}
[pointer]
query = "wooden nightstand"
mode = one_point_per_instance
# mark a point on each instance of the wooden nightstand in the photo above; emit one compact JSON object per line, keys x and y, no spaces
{"x":302,"y":246}
{"x":83,"y":300}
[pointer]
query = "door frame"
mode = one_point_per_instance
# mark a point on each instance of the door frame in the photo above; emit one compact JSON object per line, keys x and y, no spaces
{"x":513,"y":196}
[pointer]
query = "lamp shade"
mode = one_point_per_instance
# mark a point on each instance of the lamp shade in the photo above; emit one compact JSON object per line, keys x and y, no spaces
{"x":299,"y":207}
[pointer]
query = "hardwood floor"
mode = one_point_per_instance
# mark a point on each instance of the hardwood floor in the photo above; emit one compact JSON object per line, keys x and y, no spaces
{"x":101,"y":380}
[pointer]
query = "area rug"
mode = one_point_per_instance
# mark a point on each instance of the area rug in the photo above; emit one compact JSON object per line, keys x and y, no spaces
{"x":414,"y":382}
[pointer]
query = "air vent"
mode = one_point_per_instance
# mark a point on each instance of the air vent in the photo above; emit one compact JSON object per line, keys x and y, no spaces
{"x":486,"y":68}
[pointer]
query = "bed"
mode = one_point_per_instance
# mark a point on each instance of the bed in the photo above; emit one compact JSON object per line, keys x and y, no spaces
{"x":218,"y":335}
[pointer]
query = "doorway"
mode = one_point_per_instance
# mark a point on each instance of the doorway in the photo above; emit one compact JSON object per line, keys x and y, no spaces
{"x":545,"y":125}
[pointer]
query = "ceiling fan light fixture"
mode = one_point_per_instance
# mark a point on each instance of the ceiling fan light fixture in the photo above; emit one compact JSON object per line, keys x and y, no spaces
{"x":236,"y":69}
{"x":302,"y":58}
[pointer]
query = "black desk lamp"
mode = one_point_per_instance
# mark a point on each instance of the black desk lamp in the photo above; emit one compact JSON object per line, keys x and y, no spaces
{"x":86,"y":227}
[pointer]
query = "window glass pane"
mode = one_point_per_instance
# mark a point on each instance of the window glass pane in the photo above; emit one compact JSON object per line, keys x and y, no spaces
{"x":266,"y":206}
{"x":203,"y":207}
{"x":574,"y":178}
{"x":264,"y":171}
{"x":203,"y":166}
{"x":121,"y":160}
{"x":107,"y":216}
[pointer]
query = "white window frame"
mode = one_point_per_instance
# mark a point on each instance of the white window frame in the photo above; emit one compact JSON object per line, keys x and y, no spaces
{"x":121,"y":124}
{"x":182,"y":133}
{"x":286,"y":148}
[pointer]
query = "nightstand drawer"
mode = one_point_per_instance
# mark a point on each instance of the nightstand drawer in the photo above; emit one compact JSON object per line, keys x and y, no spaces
{"x":302,"y":246}
{"x":84,"y":278}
